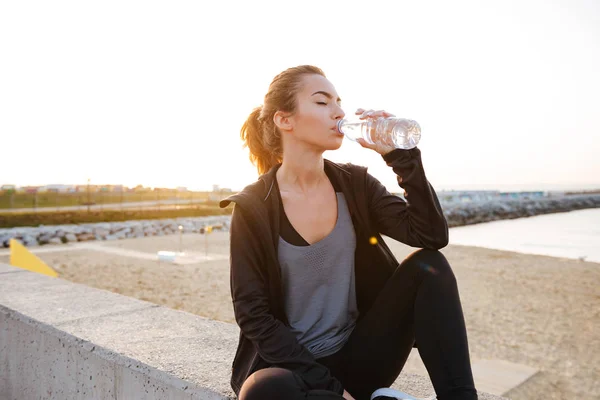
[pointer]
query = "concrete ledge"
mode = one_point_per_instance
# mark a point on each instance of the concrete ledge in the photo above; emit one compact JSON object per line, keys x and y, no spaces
{"x":61,"y":340}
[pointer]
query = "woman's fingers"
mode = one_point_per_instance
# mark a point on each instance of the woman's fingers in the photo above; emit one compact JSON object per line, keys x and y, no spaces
{"x":363,"y":113}
{"x":365,"y":144}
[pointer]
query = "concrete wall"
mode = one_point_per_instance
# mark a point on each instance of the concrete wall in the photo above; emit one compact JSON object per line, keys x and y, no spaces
{"x":60,"y":340}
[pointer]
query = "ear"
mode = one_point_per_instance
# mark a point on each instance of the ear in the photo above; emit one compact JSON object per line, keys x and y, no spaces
{"x":283,"y":120}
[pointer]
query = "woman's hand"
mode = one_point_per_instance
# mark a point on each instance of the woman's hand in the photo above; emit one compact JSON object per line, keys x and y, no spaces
{"x":371,"y":114}
{"x":347,"y":396}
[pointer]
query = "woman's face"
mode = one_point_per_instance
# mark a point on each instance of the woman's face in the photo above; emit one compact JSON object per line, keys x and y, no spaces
{"x":317,"y":112}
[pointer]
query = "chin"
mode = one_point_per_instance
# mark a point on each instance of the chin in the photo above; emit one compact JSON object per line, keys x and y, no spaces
{"x":333,"y":144}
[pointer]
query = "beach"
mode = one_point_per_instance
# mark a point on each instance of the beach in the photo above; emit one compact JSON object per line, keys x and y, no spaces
{"x":540,"y":311}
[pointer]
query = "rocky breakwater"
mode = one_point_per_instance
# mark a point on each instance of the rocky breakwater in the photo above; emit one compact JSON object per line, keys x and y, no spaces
{"x":460,"y":214}
{"x":457,"y":214}
{"x":59,"y":234}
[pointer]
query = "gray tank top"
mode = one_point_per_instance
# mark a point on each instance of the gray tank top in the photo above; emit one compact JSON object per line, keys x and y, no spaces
{"x":319,"y":289}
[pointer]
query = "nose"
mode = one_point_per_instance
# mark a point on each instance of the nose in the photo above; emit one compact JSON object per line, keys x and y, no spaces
{"x":339,"y":113}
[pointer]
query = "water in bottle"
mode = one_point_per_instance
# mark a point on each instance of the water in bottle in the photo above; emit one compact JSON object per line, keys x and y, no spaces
{"x":400,"y":133}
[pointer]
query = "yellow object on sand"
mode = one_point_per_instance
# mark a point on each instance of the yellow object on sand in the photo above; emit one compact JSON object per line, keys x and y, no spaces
{"x":23,"y":258}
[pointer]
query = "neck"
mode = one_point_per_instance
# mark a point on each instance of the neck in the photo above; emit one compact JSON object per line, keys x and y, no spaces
{"x":301,"y":173}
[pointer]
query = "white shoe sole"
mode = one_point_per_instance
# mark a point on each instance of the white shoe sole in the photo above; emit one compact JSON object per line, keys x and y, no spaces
{"x":396,"y":394}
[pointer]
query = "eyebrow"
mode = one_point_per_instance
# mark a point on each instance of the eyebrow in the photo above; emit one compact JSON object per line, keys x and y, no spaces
{"x":329,"y":96}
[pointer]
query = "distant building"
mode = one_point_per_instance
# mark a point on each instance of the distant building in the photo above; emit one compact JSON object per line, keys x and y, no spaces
{"x":104,"y":188}
{"x":86,"y":188}
{"x":7,"y":189}
{"x":28,"y":189}
{"x":164,"y":190}
{"x":57,"y":189}
{"x":140,"y":188}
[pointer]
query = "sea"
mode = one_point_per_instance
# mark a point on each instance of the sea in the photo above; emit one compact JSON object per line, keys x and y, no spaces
{"x":573,"y":234}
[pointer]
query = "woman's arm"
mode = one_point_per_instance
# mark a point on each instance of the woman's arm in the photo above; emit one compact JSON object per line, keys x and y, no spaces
{"x":274,"y":341}
{"x":419,"y":221}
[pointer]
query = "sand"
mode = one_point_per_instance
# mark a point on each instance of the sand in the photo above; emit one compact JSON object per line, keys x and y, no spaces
{"x":540,"y":311}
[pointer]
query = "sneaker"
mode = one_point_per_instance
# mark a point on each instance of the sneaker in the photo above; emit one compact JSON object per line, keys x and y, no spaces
{"x":391,"y":394}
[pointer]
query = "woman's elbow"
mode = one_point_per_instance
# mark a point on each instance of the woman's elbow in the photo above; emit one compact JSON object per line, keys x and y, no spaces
{"x":442,"y":243}
{"x":437,"y":241}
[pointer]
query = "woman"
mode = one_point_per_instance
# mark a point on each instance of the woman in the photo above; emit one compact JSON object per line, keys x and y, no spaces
{"x":324,"y":309}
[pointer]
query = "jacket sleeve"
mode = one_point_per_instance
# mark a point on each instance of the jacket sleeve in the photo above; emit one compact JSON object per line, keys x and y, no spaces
{"x":272,"y":339}
{"x":419,"y":221}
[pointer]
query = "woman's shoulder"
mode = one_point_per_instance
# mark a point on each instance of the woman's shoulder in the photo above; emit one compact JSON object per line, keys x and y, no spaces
{"x":250,"y":192}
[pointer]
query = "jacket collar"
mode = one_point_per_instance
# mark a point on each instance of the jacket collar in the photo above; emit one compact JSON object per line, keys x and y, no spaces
{"x":262,"y":190}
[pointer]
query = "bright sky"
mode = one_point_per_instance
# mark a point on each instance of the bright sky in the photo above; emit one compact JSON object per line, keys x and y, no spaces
{"x":507,"y":93}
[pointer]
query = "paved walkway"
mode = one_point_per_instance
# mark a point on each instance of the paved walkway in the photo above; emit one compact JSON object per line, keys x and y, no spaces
{"x":180,"y":259}
{"x":499,"y":376}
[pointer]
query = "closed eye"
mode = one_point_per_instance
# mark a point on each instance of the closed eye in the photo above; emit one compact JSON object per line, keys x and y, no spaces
{"x":322,"y":103}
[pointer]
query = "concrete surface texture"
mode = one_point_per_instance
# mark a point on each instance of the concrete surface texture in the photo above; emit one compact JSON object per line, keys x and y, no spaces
{"x":61,"y":340}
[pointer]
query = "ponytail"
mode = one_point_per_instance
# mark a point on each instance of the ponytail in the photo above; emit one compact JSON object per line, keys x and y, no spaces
{"x":264,"y":146}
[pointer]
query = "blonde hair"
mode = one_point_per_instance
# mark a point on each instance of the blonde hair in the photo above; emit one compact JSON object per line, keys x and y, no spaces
{"x":259,"y":132}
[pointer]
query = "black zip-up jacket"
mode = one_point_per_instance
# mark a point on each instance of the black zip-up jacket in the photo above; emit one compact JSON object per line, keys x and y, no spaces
{"x":256,"y":290}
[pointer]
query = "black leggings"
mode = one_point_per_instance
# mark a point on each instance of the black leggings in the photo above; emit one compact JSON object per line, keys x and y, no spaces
{"x":419,"y":302}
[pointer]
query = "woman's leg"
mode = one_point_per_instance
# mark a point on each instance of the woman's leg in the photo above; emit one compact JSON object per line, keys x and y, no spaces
{"x":419,"y":302}
{"x":278,"y":383}
{"x":441,"y":333}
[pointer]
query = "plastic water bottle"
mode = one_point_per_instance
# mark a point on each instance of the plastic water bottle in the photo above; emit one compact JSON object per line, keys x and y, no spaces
{"x":400,"y":133}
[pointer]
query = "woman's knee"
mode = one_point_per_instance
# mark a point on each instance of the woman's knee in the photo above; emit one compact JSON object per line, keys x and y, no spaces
{"x":432,"y":263}
{"x":271,"y":383}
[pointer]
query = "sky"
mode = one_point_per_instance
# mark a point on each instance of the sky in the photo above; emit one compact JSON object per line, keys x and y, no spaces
{"x":507,"y":93}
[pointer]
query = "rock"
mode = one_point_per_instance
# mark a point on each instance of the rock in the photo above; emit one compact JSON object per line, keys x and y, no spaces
{"x":55,"y":240}
{"x":83,"y":237}
{"x":44,"y":239}
{"x":101,"y":232}
{"x":149,"y":232}
{"x":71,"y":237}
{"x":29,"y":241}
{"x":125,"y":231}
